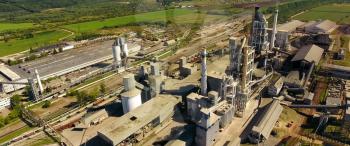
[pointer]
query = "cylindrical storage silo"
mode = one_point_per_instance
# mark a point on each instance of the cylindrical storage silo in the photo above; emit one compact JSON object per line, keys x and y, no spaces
{"x":116,"y":54}
{"x":125,"y":50}
{"x":131,"y":100}
{"x":213,"y":97}
{"x":129,"y":82}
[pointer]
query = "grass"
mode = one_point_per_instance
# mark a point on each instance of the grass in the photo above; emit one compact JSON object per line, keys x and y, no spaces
{"x":40,"y":39}
{"x":178,"y":15}
{"x":336,"y":12}
{"x":346,"y":61}
{"x":15,"y":26}
{"x":14,"y":134}
{"x":44,"y":141}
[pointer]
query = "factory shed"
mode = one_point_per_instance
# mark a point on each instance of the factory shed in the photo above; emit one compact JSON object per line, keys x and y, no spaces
{"x":275,"y":88}
{"x":323,"y":26}
{"x":262,"y":130}
{"x":146,"y":116}
{"x":310,"y":53}
{"x":290,"y":26}
{"x":8,"y":73}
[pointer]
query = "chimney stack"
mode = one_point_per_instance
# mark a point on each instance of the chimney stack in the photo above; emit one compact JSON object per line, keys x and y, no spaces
{"x":204,"y":85}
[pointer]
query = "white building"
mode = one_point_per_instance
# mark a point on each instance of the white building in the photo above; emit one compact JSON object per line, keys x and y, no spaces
{"x":5,"y":102}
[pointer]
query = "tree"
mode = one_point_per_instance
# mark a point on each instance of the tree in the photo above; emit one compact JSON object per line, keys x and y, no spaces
{"x":103,"y":88}
{"x":46,"y":104}
{"x":15,"y":101}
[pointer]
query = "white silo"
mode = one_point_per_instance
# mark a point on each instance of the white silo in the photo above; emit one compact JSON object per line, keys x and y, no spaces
{"x":131,"y":97}
{"x":116,"y":52}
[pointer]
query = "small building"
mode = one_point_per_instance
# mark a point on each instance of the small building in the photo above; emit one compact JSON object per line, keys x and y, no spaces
{"x":215,"y":81}
{"x":5,"y":102}
{"x":334,"y":101}
{"x":308,"y":97}
{"x":340,"y":55}
{"x":187,"y":69}
{"x":321,"y":27}
{"x":294,"y":79}
{"x":275,"y":88}
{"x":194,"y":104}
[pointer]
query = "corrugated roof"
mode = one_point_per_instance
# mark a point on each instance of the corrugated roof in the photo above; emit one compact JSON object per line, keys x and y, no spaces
{"x":309,"y":53}
{"x":9,"y":73}
{"x":290,"y":26}
{"x":326,"y":25}
{"x":120,"y":129}
{"x":266,"y":124}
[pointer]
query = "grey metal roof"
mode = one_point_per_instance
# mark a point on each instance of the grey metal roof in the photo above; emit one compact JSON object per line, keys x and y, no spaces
{"x":266,"y":124}
{"x":9,"y":73}
{"x":309,"y":53}
{"x":118,"y":130}
{"x":325,"y":25}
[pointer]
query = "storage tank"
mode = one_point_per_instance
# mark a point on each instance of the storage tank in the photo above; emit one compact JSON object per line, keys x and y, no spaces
{"x":116,"y":52}
{"x":131,"y":97}
{"x":131,"y":100}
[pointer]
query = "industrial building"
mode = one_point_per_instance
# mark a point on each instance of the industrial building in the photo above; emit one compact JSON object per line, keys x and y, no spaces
{"x":262,"y":130}
{"x":322,"y":26}
{"x":138,"y":123}
{"x":311,"y":53}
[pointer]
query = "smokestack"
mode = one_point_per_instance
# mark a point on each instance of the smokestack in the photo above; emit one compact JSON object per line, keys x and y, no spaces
{"x":41,"y":89}
{"x":274,"y":30}
{"x":116,"y":49}
{"x":204,"y":85}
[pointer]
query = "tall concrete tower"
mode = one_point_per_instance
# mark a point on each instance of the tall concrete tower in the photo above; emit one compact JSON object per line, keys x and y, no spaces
{"x":259,"y":35}
{"x":274,"y":30}
{"x":204,"y":85}
{"x":41,"y":89}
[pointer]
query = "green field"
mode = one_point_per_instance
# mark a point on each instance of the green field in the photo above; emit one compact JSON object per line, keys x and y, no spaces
{"x":337,"y":13}
{"x":179,"y":15}
{"x":40,"y":39}
{"x":15,"y":26}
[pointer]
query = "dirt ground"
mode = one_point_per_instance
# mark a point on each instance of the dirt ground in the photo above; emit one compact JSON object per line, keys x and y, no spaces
{"x":4,"y":112}
{"x":56,"y":105}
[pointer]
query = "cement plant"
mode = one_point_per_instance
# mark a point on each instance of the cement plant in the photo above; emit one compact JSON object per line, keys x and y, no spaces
{"x":239,"y":81}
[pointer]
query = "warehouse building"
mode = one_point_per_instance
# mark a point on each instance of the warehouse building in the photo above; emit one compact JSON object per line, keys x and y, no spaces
{"x":262,"y":130}
{"x":321,"y":27}
{"x":309,"y":54}
{"x":139,"y":123}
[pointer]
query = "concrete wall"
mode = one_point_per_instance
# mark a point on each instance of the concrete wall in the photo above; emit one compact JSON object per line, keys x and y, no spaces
{"x":206,"y":137}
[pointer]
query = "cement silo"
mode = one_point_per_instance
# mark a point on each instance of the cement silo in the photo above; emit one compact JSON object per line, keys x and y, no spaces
{"x":131,"y":97}
{"x":116,"y":49}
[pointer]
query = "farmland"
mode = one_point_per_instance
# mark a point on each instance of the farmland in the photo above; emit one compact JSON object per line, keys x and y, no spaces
{"x":179,"y":15}
{"x":337,"y":13}
{"x":15,"y":26}
{"x":40,"y":39}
